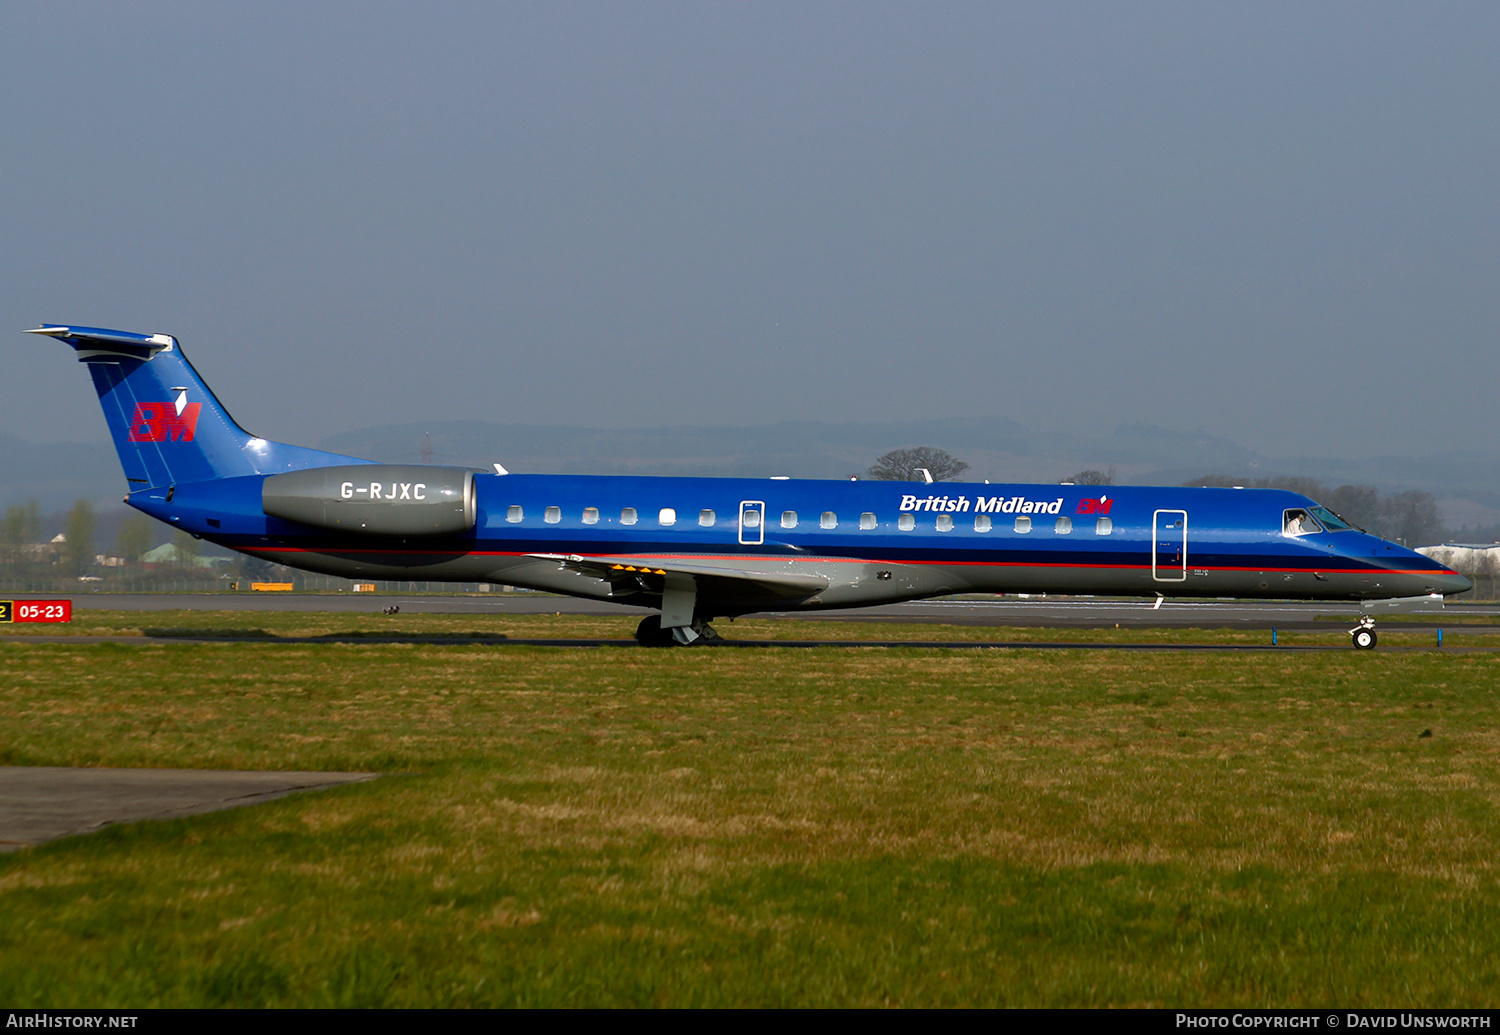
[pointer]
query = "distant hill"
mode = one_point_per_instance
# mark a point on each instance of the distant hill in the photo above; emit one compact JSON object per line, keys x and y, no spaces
{"x":59,"y":473}
{"x":798,"y":449}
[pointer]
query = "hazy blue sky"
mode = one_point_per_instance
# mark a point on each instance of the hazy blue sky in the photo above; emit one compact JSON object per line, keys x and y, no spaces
{"x":1277,"y":221}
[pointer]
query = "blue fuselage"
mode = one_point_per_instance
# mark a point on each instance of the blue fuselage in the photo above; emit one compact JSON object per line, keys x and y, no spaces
{"x":869,"y":541}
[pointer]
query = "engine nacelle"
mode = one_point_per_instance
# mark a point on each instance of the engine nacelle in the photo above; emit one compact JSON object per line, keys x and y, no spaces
{"x":377,"y":499}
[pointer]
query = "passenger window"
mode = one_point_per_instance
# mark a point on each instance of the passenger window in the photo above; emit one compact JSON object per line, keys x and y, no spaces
{"x":1104,"y":526}
{"x":514,"y":514}
{"x":788,"y":519}
{"x":1064,"y":526}
{"x":982,"y":523}
{"x":749,"y":517}
{"x":627,"y":516}
{"x":1023,"y":524}
{"x":867,"y":520}
{"x":706,"y":518}
{"x":590,"y":515}
{"x":906,"y":522}
{"x":552,"y":515}
{"x":667,"y":516}
{"x":828,"y":520}
{"x":945,"y":522}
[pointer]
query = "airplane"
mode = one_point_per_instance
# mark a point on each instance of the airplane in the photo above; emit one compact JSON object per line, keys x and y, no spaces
{"x":698,"y":549}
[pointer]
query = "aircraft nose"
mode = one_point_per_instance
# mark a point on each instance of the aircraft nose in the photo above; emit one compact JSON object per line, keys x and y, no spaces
{"x":1449,"y":582}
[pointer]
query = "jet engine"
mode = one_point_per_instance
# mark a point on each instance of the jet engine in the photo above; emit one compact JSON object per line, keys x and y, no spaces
{"x":376,"y":499}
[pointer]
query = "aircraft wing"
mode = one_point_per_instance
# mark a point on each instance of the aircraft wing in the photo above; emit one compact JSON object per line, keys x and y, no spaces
{"x":627,"y":575}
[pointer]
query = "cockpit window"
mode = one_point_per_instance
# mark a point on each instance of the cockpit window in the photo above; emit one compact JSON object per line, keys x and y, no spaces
{"x":1331,"y":521}
{"x":1298,"y":521}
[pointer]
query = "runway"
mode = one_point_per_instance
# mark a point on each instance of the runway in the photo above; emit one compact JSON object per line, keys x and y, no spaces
{"x":1005,"y":611}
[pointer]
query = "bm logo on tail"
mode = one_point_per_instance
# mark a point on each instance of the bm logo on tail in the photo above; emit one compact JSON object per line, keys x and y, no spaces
{"x":165,"y":422}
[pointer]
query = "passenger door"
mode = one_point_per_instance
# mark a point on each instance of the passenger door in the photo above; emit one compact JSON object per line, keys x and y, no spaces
{"x":1169,"y":545}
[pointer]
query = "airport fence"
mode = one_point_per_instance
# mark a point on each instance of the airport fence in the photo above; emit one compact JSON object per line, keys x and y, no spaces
{"x":1486,"y":587}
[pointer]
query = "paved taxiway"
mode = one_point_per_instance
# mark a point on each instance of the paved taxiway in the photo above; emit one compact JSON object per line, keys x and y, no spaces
{"x":39,"y":804}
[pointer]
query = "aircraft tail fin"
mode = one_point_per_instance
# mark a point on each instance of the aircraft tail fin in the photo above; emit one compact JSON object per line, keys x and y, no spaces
{"x":167,"y":425}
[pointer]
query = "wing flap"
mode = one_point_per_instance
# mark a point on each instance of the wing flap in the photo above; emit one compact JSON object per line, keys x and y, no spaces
{"x":648,"y":574}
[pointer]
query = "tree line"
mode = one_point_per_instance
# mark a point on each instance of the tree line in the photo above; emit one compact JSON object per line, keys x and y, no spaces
{"x":1410,"y":518}
{"x":27,"y":550}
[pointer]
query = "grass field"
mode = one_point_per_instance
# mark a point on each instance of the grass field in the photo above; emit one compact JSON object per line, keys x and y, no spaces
{"x":837,"y":826}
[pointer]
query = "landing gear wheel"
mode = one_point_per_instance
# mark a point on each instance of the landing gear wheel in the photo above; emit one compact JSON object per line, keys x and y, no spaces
{"x":650,"y":633}
{"x":1364,"y":639}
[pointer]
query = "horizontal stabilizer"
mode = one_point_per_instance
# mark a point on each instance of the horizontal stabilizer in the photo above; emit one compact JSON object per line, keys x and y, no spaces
{"x":92,"y":342}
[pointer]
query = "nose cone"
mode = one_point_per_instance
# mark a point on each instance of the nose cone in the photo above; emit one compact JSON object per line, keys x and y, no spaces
{"x":1449,"y":582}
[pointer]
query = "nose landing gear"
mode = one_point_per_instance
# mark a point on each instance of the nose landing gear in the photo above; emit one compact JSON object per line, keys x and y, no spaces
{"x":1363,"y":634}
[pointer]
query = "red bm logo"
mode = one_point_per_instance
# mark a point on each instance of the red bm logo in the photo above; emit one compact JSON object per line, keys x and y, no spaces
{"x":160,"y":422}
{"x":1098,"y":506}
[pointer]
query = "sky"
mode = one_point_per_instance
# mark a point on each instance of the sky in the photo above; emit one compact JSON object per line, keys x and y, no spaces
{"x":1275,"y":222}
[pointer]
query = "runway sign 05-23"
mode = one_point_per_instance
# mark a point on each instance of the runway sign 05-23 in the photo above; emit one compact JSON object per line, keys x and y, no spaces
{"x":36,"y":610}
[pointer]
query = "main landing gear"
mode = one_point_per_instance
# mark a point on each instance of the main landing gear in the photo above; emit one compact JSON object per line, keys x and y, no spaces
{"x":1363,"y":634}
{"x":700,"y":634}
{"x":680,"y":623}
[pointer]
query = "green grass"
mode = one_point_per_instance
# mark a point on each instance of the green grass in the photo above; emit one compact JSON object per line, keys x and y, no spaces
{"x":838,"y":826}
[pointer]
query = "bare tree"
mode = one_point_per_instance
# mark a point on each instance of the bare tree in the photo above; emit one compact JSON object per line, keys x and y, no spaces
{"x":1092,"y":477}
{"x":1412,"y":518}
{"x":906,"y":465}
